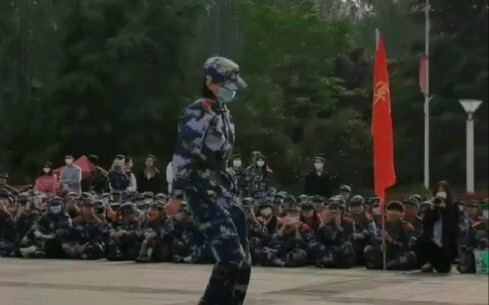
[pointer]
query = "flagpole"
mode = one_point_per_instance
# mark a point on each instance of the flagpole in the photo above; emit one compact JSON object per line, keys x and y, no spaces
{"x":384,"y":252}
{"x":427,"y":98}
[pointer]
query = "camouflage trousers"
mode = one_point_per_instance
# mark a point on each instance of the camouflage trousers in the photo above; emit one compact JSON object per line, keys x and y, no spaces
{"x":90,"y":250}
{"x":269,"y":257}
{"x":396,"y":259}
{"x":118,"y":250}
{"x":342,"y":256}
{"x":226,"y":231}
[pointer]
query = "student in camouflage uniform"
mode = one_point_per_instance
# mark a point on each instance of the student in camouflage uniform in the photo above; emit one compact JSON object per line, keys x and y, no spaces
{"x":309,"y":215}
{"x":257,"y":231}
{"x":72,"y":201}
{"x":189,"y":243}
{"x":476,"y":220}
{"x":258,"y":176}
{"x":125,"y":239}
{"x":288,"y":246}
{"x":331,"y":246}
{"x":49,"y":232}
{"x":26,"y":217}
{"x":86,"y":237}
{"x":266,"y":217}
{"x":238,"y":172}
{"x":473,"y":231}
{"x":364,"y":228}
{"x":410,"y":215}
{"x":205,"y":142}
{"x":397,"y":235}
{"x":7,"y":228}
{"x":158,"y":237}
{"x":345,"y":192}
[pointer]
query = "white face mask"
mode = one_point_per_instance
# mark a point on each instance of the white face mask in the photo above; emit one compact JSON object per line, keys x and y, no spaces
{"x":237,"y":163}
{"x":260,"y":163}
{"x":266,"y":212}
{"x":318,"y":165}
{"x":69,"y":161}
{"x":376,"y":211}
{"x":46,"y":170}
{"x":441,"y":195}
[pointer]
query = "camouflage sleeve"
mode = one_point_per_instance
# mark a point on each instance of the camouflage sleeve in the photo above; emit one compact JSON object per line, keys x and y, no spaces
{"x":192,"y":128}
{"x":370,"y":232}
{"x":40,"y":225}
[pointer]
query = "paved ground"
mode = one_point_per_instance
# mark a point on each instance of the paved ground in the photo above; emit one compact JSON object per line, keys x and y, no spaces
{"x":47,"y":282}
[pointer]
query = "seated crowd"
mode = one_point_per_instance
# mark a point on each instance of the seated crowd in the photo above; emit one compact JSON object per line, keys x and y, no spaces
{"x":114,"y":221}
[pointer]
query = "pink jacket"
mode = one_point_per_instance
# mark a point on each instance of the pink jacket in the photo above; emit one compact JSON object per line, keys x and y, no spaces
{"x":47,"y":184}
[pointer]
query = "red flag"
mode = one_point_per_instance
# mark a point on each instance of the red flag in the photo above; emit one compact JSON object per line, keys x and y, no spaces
{"x":422,"y":74}
{"x":384,"y":172}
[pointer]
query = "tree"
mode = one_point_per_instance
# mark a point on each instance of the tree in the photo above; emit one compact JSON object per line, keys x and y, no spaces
{"x":120,"y":81}
{"x":295,"y":94}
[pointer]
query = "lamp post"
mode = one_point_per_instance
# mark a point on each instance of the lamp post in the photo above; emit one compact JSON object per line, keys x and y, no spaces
{"x":470,"y":106}
{"x":427,"y":97}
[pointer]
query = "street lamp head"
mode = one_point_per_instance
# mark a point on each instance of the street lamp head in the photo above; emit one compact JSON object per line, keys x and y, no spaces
{"x":470,"y":106}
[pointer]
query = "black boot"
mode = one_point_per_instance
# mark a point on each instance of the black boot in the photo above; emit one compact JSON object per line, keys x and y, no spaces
{"x":220,"y":289}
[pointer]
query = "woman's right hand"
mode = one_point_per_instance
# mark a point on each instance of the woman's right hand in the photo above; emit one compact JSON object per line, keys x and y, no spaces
{"x":173,"y":206}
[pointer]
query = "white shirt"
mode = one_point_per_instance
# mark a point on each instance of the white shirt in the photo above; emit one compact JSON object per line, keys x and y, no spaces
{"x":438,"y":232}
{"x":169,"y":176}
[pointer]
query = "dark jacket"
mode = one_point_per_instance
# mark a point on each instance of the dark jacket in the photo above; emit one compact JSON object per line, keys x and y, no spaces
{"x":97,"y":182}
{"x":450,"y":219}
{"x":318,"y":184}
{"x":154,"y":184}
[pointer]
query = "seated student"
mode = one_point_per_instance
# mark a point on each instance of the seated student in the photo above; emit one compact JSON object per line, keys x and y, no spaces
{"x":288,"y":246}
{"x":7,"y":227}
{"x":309,"y":216}
{"x":332,"y":245}
{"x":473,"y":230}
{"x":125,"y":240}
{"x":364,"y":228}
{"x":397,"y":235}
{"x":189,"y":244}
{"x":158,"y":235}
{"x":86,"y":237}
{"x":47,"y":234}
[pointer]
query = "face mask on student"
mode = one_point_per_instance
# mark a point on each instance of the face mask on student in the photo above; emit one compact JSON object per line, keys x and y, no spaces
{"x":441,"y":195}
{"x":318,"y":165}
{"x":55,"y":209}
{"x":226,"y":95}
{"x":266,"y":212}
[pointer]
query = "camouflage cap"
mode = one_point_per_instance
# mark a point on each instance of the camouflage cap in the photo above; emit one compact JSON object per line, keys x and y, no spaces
{"x":308,"y":204}
{"x":128,"y":208}
{"x":248,"y":201}
{"x":294,"y":206}
{"x":357,"y":199}
{"x":303,"y":198}
{"x":148,"y":195}
{"x":281,"y":194}
{"x":266,"y":202}
{"x":395,"y":206}
{"x":411,"y":200}
{"x":224,"y":72}
{"x":55,"y":201}
{"x":289,"y":199}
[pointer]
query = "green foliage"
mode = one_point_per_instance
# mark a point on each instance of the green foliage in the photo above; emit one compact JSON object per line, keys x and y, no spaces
{"x":111,"y":76}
